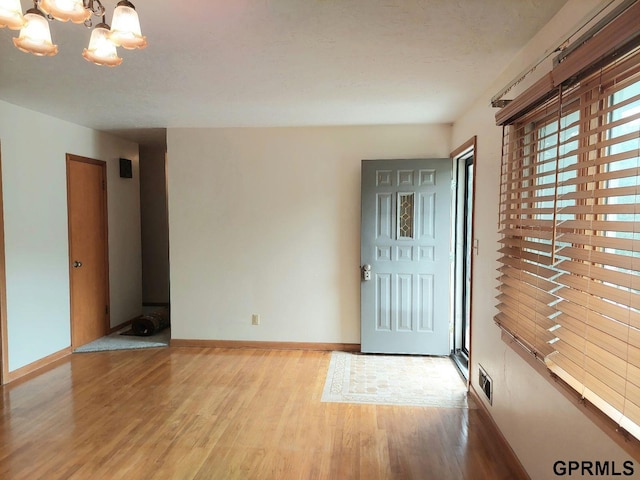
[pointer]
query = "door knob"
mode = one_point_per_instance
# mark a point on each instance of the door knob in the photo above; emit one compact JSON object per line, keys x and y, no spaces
{"x":77,"y":264}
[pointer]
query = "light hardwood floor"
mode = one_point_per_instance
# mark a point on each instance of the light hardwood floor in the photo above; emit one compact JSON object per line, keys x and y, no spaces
{"x":197,"y":413}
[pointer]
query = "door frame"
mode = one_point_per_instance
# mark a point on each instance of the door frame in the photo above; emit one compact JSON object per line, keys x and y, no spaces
{"x":459,"y":157}
{"x":103,"y":166}
{"x":4,"y":340}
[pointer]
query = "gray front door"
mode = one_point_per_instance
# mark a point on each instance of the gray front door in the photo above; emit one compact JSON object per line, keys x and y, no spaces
{"x":405,"y":268}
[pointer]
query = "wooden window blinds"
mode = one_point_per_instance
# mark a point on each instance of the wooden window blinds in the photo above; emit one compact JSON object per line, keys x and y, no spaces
{"x":570,"y":249}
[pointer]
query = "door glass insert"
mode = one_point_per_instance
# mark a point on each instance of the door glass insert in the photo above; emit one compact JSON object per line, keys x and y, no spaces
{"x":406,"y":207}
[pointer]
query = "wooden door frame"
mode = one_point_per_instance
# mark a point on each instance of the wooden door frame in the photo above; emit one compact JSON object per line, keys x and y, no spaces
{"x":103,"y":165}
{"x":470,"y":145}
{"x":4,"y":340}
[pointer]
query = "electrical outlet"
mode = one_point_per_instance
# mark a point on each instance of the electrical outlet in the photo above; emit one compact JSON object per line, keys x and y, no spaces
{"x":255,"y":319}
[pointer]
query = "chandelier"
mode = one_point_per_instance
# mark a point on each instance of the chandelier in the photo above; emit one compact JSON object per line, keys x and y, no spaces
{"x":35,"y":36}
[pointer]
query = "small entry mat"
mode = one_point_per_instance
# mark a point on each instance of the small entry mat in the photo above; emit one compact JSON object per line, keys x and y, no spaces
{"x":394,"y":380}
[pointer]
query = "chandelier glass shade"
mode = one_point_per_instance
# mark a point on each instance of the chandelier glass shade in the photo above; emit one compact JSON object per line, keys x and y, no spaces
{"x":125,"y":29}
{"x":11,"y":14}
{"x":66,"y":10}
{"x":101,"y":50}
{"x":35,"y":35}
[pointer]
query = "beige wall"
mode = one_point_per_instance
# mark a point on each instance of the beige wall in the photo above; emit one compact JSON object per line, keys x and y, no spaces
{"x":34,"y":148}
{"x":155,"y":225}
{"x":541,"y":425}
{"x":267,"y":221}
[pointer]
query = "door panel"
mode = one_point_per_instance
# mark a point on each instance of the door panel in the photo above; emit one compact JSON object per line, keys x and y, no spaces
{"x":86,"y":190}
{"x":405,"y":240}
{"x":4,"y":342}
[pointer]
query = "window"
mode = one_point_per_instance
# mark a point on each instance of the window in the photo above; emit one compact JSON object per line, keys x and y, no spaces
{"x":570,"y":220}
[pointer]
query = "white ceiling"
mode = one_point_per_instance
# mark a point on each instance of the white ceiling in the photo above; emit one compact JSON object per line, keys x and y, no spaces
{"x":220,"y":63}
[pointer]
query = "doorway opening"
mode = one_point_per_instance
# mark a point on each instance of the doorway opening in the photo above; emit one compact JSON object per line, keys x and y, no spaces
{"x":465,"y":247}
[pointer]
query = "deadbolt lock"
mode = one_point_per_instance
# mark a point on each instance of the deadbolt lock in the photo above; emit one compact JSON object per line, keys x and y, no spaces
{"x":366,"y":272}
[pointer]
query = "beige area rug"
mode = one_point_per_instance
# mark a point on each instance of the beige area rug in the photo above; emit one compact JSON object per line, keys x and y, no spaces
{"x":394,"y":380}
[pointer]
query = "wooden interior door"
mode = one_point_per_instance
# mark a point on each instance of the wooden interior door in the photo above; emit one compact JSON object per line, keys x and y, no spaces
{"x":88,"y":252}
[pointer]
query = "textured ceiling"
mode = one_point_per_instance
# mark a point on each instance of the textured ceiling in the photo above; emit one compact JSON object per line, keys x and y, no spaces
{"x":219,"y":63}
